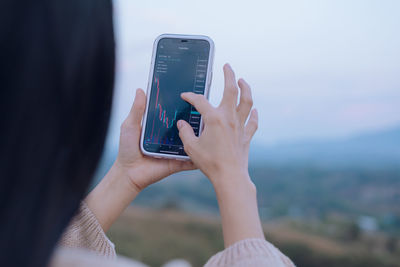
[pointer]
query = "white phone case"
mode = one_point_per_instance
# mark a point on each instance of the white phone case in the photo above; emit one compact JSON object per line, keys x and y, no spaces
{"x":150,"y":81}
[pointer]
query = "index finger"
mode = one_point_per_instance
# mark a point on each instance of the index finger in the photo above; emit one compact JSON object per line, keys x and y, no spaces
{"x":198,"y":101}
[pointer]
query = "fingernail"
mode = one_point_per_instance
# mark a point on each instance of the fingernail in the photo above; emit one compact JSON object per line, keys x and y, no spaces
{"x":179,"y":124}
{"x":184,"y":94}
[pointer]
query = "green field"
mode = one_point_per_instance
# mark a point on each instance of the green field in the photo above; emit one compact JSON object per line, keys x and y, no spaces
{"x":156,"y":236}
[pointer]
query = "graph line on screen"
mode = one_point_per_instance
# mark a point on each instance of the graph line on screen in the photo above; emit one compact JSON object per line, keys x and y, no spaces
{"x":167,"y":122}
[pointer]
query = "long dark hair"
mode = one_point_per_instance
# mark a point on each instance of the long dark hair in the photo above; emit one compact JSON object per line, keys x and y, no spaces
{"x":56,"y":80}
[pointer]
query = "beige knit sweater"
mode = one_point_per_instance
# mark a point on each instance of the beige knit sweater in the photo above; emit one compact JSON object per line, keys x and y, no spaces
{"x":84,"y":243}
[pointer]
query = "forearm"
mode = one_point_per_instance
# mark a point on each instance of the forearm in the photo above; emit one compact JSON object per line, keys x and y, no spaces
{"x":237,"y":201}
{"x":84,"y":231}
{"x":111,"y":196}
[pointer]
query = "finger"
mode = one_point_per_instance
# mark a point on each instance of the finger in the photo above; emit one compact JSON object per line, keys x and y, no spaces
{"x":252,"y":125}
{"x":187,"y":135}
{"x":187,"y":165}
{"x":230,"y":91}
{"x":198,"y":101}
{"x":246,"y":100}
{"x":176,"y":166}
{"x":136,"y":113}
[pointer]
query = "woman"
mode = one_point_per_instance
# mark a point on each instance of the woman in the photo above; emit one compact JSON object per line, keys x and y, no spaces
{"x":57,"y":72}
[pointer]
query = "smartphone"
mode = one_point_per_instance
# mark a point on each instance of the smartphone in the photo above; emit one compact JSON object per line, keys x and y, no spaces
{"x":180,"y":63}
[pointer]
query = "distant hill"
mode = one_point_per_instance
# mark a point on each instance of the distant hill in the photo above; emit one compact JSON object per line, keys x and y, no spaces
{"x":373,"y":150}
{"x":380,"y":149}
{"x":353,"y":177}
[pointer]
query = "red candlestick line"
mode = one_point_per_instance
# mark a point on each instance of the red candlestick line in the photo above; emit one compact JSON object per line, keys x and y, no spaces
{"x":162,"y":114}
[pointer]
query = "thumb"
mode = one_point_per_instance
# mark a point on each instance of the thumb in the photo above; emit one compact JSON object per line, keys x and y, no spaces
{"x":186,"y":134}
{"x":135,"y":115}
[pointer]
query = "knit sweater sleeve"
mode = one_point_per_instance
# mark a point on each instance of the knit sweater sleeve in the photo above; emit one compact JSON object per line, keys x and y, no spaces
{"x":85,"y":232}
{"x":250,"y":253}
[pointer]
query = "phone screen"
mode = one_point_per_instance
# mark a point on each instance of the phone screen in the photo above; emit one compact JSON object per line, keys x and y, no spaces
{"x":180,"y":66}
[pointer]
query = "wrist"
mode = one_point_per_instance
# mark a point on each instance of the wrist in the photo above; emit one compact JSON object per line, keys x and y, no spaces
{"x":233,"y":185}
{"x":232,"y":179}
{"x":111,"y":196}
{"x":237,"y":200}
{"x":129,"y":174}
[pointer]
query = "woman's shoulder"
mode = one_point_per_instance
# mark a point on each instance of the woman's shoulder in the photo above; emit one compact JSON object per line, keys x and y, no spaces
{"x":66,"y":257}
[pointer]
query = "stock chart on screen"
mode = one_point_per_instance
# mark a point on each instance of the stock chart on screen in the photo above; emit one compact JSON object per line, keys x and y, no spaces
{"x":179,"y":67}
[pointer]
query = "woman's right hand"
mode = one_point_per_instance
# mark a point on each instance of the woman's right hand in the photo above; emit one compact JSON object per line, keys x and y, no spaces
{"x":221,"y":153}
{"x":223,"y":147}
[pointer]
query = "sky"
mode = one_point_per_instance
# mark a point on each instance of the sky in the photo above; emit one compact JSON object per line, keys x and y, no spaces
{"x":318,"y":69}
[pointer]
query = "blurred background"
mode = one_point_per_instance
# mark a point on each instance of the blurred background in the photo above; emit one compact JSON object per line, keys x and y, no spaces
{"x":326,"y":158}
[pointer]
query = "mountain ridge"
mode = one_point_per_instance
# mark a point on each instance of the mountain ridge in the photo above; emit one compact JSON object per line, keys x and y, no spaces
{"x":377,"y":149}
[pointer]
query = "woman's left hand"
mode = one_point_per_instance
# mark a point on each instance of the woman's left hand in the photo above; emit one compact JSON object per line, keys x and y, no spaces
{"x":131,"y":172}
{"x":142,"y":170}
